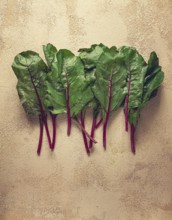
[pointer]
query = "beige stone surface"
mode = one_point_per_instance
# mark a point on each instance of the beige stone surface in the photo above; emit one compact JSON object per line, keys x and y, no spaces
{"x":66,"y":184}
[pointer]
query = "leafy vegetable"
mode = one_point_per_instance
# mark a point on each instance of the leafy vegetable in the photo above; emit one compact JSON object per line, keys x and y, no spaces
{"x":73,"y":90}
{"x":153,"y":78}
{"x":31,"y":72}
{"x":72,"y":78}
{"x":100,"y":78}
{"x":90,"y":58}
{"x":110,"y":85}
{"x":50,"y":52}
{"x":54,"y":99}
{"x":136,"y":69}
{"x":142,"y":81}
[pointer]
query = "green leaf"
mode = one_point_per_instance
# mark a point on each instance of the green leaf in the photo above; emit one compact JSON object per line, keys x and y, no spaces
{"x":154,"y":77}
{"x":55,"y":98}
{"x":90,"y":56}
{"x":110,"y":68}
{"x":136,"y":71}
{"x":67,"y":76}
{"x":72,"y":77}
{"x":31,"y":71}
{"x":50,"y":53}
{"x":136,"y":67}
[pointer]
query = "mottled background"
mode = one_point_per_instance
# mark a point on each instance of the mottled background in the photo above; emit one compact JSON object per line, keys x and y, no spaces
{"x":66,"y":184}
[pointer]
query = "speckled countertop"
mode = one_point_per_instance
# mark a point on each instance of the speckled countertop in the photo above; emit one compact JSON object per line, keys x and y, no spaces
{"x":68,"y":185}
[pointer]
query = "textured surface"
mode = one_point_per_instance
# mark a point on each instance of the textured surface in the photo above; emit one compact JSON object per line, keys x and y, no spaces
{"x":68,"y":185}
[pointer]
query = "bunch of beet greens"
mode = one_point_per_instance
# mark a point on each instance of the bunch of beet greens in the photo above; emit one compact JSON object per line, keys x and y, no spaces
{"x":99,"y":78}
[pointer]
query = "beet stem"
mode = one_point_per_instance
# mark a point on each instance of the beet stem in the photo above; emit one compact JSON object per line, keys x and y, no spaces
{"x":93,"y":130}
{"x":107,"y":115}
{"x":132,"y":138}
{"x":126,"y":106}
{"x":104,"y":135}
{"x":41,"y":125}
{"x":68,"y":109}
{"x":54,"y":130}
{"x":83,"y":134}
{"x":99,"y":123}
{"x":47,"y":131}
{"x":83,"y":129}
{"x":126,"y":113}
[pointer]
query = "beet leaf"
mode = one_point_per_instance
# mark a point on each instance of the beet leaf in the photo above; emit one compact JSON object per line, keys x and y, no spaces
{"x":90,"y":58}
{"x":153,"y":78}
{"x":136,"y":69}
{"x":100,"y":78}
{"x":67,"y":88}
{"x":110,"y":84}
{"x":142,"y":81}
{"x":31,"y":72}
{"x":50,"y":52}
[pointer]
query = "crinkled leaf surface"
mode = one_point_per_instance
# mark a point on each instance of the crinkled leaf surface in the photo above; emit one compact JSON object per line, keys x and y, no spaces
{"x":136,"y":68}
{"x":68,"y":74}
{"x":73,"y":75}
{"x":136,"y":71}
{"x":30,"y":68}
{"x":110,"y":68}
{"x":152,"y":80}
{"x":154,"y":77}
{"x":50,"y":53}
{"x":55,"y":97}
{"x":90,"y":58}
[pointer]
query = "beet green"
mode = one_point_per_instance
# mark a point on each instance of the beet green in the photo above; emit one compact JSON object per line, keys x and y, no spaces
{"x":142,"y":81}
{"x":110,"y":85}
{"x":102,"y":79}
{"x":31,"y":72}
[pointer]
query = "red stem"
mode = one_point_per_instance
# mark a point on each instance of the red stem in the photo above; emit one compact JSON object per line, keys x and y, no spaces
{"x":47,"y":131}
{"x":86,"y":133}
{"x":126,"y":107}
{"x":132,"y":138}
{"x":99,"y":123}
{"x":40,"y":136}
{"x":93,"y":130}
{"x":126,"y":113}
{"x":54,"y":130}
{"x":68,"y":111}
{"x":83,"y":134}
{"x":44,"y":117}
{"x":107,"y":115}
